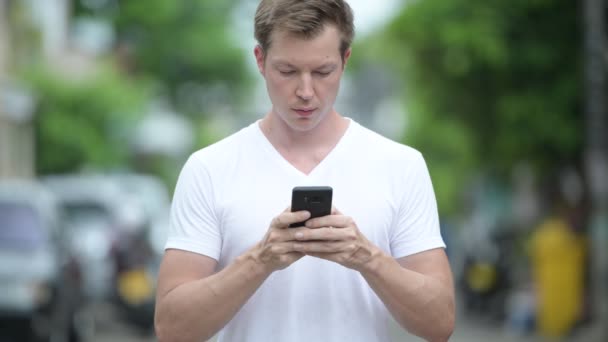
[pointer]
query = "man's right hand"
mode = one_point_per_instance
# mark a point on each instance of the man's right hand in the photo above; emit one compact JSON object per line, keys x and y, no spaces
{"x":189,"y":286}
{"x":275,"y":251}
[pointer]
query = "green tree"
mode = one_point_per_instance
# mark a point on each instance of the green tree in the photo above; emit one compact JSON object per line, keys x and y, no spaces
{"x":179,"y":43}
{"x":501,"y":79}
{"x":509,"y":69}
{"x":84,"y":123}
{"x":178,"y":47}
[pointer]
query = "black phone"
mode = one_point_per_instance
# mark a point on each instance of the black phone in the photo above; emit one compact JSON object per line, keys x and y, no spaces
{"x":315,"y":199}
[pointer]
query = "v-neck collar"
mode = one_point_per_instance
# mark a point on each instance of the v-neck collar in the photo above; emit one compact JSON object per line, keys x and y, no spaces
{"x":285,"y":164}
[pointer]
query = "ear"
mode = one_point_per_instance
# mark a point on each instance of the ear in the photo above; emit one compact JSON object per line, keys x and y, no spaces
{"x":259,"y":58}
{"x":347,"y":54}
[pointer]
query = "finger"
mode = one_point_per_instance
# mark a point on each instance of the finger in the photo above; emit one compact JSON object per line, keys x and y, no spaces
{"x":326,"y":256}
{"x":336,"y":221}
{"x":335,"y":211}
{"x":278,"y":235}
{"x":280,"y":248}
{"x":282,"y":235}
{"x":322,"y":234}
{"x":323,"y":247}
{"x":287,"y":218}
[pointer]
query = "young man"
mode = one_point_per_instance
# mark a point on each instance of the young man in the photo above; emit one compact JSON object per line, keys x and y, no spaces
{"x":233,"y":266}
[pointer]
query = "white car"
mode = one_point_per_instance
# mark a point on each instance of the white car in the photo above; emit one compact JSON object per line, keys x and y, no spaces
{"x":39,"y":282}
{"x":100,"y":221}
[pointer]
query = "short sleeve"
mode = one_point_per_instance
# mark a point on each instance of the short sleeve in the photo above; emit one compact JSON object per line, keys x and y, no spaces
{"x":194,"y":225}
{"x":416,"y":227}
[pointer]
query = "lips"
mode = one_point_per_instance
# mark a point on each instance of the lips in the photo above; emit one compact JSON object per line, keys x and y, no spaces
{"x":304,"y":111}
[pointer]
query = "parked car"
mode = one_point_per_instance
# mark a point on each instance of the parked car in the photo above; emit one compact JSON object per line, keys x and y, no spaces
{"x":109,"y":230}
{"x":153,"y":194}
{"x":40,"y":284}
{"x":100,"y":220}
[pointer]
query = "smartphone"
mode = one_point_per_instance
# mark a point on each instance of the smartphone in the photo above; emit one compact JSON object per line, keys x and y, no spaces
{"x":315,"y":199}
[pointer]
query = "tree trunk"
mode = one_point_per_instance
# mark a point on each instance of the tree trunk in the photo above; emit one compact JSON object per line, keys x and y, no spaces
{"x":596,"y":156}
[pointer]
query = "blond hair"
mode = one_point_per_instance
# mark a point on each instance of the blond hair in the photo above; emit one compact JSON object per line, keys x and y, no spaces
{"x":304,"y":18}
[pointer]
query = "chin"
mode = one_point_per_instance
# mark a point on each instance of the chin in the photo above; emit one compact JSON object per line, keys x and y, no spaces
{"x":304,"y":124}
{"x":301,"y":126}
{"x":299,"y":123}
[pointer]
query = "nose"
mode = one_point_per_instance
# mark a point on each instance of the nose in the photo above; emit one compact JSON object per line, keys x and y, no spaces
{"x":305,"y":89}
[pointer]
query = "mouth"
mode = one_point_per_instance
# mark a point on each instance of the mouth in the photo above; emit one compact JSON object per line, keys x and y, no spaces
{"x":304,"y":111}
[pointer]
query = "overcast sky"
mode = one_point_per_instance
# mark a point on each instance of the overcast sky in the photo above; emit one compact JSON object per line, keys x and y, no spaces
{"x":369,"y":14}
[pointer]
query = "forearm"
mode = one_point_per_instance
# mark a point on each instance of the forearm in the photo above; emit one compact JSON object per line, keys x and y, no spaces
{"x":421,"y":304}
{"x":197,"y":310}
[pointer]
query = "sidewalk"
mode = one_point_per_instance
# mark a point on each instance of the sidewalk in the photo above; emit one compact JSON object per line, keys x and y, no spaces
{"x":471,"y":331}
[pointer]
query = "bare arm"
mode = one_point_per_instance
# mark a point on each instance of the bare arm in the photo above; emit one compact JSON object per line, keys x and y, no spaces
{"x":193,"y":303}
{"x":417,"y":290}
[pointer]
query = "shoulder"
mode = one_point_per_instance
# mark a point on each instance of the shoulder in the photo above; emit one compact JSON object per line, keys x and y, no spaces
{"x":214,"y":165}
{"x":222,"y":148}
{"x":224,"y":152}
{"x":384,"y":150}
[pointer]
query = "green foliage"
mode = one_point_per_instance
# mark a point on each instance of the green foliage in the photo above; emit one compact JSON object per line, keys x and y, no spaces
{"x":489,"y":83}
{"x":85,"y":122}
{"x":187,"y":46}
{"x":181,"y":42}
{"x":448,"y":149}
{"x":509,"y":70}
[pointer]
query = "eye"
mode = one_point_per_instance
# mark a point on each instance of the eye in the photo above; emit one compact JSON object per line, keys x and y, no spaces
{"x":322,"y":73}
{"x":287,"y":72}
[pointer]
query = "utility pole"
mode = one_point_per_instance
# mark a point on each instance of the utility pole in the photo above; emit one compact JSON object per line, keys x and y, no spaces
{"x":596,"y":153}
{"x":16,"y":108}
{"x":4,"y":57}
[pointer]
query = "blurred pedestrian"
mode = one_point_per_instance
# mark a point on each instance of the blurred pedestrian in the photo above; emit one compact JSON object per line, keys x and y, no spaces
{"x":558,"y":251}
{"x":232,"y":266}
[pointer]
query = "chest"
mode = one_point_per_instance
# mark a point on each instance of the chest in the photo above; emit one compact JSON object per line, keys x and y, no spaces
{"x":247,"y":205}
{"x":304,"y":161}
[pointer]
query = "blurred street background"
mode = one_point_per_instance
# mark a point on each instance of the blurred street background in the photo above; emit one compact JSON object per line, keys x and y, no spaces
{"x":102,"y":101}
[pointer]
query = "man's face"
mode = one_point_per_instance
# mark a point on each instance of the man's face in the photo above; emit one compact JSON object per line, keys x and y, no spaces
{"x":302,"y":76}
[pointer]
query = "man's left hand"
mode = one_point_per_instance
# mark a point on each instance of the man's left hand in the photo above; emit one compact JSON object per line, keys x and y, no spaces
{"x":336,"y":238}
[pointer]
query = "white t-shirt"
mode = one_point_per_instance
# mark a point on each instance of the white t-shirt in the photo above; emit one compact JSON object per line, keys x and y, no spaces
{"x":228,"y":193}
